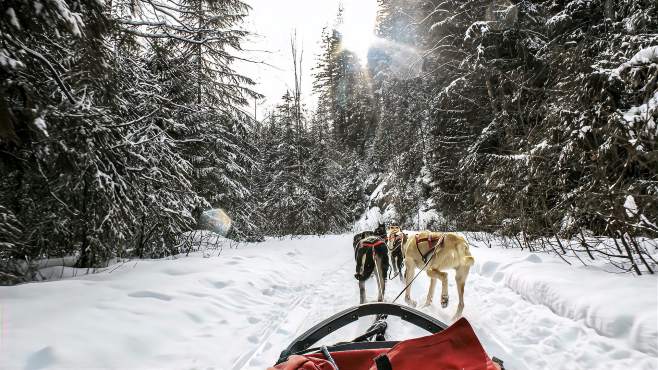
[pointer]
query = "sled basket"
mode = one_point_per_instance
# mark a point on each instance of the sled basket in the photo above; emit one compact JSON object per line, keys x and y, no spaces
{"x":453,"y":347}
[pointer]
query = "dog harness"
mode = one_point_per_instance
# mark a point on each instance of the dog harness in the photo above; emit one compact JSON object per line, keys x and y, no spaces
{"x":373,"y":244}
{"x":429,"y":240}
{"x":395,"y":237}
{"x":366,"y":244}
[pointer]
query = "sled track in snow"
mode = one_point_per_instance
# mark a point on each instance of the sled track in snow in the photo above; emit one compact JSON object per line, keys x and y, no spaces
{"x":247,"y":357}
{"x":292,"y":319}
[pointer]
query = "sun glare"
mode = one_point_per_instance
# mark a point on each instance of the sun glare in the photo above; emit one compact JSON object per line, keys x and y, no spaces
{"x":358,"y":28}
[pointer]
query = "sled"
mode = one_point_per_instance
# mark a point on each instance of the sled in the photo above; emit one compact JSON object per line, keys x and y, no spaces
{"x":448,"y":347}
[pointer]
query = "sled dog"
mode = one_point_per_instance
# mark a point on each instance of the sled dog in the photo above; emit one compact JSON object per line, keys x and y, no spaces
{"x":371,"y":255}
{"x":379,"y":231}
{"x":395,"y":240}
{"x":440,"y":251}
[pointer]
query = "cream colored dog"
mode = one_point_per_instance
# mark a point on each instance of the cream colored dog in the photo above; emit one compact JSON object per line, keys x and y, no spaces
{"x":447,"y":251}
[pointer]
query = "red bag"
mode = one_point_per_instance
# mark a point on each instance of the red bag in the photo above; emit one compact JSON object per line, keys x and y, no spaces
{"x":457,"y":347}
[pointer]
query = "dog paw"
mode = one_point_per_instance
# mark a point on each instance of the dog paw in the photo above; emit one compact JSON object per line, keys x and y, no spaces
{"x":427,"y":304}
{"x":444,"y":301}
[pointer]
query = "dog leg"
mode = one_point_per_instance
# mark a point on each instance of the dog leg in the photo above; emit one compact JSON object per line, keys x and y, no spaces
{"x":391,"y":257}
{"x":460,"y":278}
{"x":409,"y":270}
{"x":381,"y":280}
{"x":444,"y":289}
{"x":400,"y":262}
{"x":430,"y":292}
{"x":396,"y":266}
{"x":434,"y":274}
{"x":362,"y":291}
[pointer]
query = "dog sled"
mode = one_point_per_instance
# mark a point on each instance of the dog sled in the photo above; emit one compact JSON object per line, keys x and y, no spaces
{"x":447,"y":347}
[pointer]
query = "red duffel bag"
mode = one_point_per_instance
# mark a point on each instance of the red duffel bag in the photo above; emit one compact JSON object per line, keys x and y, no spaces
{"x":456,"y":347}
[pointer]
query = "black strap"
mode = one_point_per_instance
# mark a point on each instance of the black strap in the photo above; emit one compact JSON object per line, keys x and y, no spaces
{"x":327,"y":355}
{"x":499,"y":362}
{"x":418,"y":248}
{"x":424,"y":256}
{"x":429,"y":244}
{"x":383,"y":363}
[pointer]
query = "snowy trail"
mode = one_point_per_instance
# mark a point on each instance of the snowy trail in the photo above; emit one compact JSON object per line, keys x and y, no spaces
{"x":297,"y":318}
{"x":238,"y":311}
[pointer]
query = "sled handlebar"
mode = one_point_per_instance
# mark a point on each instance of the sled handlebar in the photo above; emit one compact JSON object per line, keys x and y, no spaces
{"x":352,"y":314}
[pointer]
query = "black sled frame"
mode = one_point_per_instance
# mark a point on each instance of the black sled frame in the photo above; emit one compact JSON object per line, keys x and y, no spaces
{"x":380,"y":310}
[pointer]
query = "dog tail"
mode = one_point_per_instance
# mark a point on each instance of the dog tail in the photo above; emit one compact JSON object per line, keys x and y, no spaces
{"x":467,"y":258}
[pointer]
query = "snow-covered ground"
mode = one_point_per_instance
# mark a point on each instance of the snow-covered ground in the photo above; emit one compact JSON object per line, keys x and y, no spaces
{"x":239,"y":309}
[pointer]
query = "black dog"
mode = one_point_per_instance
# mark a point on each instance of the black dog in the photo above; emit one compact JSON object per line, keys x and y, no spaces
{"x":396,"y":239}
{"x":380,"y":231}
{"x":370,"y":254}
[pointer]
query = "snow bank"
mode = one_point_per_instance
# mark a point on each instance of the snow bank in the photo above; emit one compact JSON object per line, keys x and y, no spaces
{"x":163,"y":314}
{"x":616,"y":306}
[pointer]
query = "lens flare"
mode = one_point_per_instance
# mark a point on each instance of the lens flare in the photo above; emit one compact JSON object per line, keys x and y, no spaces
{"x":358,"y":26}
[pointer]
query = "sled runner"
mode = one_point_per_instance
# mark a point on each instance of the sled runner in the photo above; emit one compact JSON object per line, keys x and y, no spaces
{"x":448,"y":347}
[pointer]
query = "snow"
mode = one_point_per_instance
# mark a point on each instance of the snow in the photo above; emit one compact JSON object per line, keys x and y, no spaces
{"x":427,"y":217}
{"x":642,"y":112}
{"x":589,"y":295}
{"x":239,"y":308}
{"x":12,"y":18}
{"x":644,"y":56}
{"x":630,"y":206}
{"x":477,"y":29}
{"x":539,"y":147}
{"x":41,"y":125}
{"x":369,"y":220}
{"x":7,"y":61}
{"x":37,"y":7}
{"x":73,"y":19}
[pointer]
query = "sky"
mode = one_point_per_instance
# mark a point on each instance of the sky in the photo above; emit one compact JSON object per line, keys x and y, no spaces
{"x":272,"y":23}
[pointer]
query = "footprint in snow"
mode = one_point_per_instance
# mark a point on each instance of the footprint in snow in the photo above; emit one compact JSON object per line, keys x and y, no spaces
{"x":219,"y":284}
{"x":41,"y":359}
{"x":498,"y":277}
{"x":533,"y":258}
{"x":253,"y":320}
{"x":196,"y":318}
{"x":195,"y":294}
{"x":252,"y":339}
{"x":150,"y":294}
{"x":174,"y":272}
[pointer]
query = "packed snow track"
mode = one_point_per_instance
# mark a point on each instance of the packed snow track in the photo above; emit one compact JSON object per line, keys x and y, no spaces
{"x":239,"y":309}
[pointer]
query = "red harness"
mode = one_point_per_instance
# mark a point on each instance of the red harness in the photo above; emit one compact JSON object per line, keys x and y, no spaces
{"x":428,"y":239}
{"x":372,"y":245}
{"x":429,"y":242}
